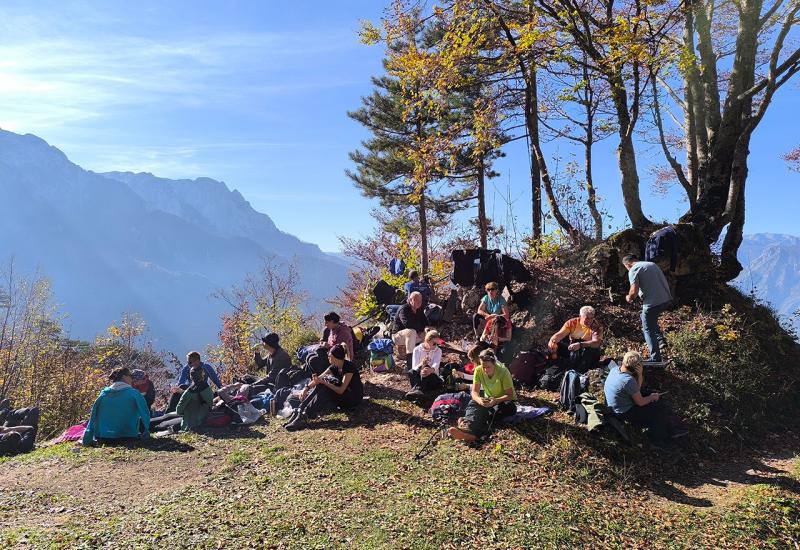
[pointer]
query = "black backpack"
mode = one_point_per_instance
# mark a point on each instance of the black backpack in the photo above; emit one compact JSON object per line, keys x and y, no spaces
{"x":384,"y":293}
{"x":528,"y":367}
{"x":551,"y":379}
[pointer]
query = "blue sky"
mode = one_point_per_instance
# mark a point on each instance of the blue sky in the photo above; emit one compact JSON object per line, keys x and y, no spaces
{"x":255,"y":94}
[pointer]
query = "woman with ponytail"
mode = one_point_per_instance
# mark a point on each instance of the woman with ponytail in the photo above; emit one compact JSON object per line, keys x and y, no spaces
{"x":338,"y":387}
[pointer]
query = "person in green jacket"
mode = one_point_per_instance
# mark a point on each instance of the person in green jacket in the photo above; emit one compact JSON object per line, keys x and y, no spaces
{"x":493,"y":398}
{"x":196,"y":401}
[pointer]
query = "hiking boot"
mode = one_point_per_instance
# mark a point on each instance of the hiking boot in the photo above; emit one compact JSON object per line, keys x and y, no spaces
{"x":292,"y":417}
{"x":461,"y":435}
{"x":415,"y":395}
{"x":297,"y":423}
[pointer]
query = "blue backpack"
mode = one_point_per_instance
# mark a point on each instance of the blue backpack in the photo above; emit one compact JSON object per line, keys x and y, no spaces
{"x":382,"y":346}
{"x":397,"y":267}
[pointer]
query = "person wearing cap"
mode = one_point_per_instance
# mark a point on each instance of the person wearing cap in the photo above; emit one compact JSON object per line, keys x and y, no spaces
{"x":424,"y":373}
{"x":144,"y":385}
{"x":277,"y":359}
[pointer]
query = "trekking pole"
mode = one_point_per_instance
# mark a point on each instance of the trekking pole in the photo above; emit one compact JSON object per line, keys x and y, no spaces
{"x":440,"y":431}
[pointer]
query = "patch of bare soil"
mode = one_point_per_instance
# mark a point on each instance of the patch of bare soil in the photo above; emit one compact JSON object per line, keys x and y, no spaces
{"x":47,"y":493}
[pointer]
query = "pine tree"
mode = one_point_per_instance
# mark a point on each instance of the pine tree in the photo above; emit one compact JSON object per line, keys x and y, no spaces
{"x":400,"y":163}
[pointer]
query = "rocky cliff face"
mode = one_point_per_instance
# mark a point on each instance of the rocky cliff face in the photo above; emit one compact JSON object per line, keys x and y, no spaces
{"x":772,"y":272}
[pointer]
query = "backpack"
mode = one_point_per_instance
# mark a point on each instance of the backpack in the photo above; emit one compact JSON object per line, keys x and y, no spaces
{"x":528,"y":366}
{"x":383,"y":346}
{"x":317,"y":361}
{"x":218,"y":419}
{"x":303,"y":353}
{"x":449,"y":406}
{"x":384,"y":293}
{"x":572,"y":386}
{"x":551,"y":379}
{"x":397,"y":267}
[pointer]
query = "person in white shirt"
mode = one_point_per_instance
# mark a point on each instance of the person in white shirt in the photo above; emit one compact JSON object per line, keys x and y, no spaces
{"x":424,"y":373}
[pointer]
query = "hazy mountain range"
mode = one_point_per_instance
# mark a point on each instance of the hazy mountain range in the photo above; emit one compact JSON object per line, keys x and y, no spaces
{"x":118,"y":242}
{"x":124,"y":242}
{"x":772,"y":271}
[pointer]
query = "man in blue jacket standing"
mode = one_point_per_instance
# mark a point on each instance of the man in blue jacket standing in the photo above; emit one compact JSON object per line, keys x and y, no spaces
{"x":119,"y":412}
{"x":648,"y":282}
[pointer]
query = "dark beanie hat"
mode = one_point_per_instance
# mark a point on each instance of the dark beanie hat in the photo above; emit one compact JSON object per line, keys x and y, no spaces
{"x":271,"y":340}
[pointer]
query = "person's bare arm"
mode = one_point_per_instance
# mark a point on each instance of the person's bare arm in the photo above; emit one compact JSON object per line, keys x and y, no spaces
{"x":556,"y":338}
{"x":339,"y":390}
{"x":642,"y":401}
{"x":633,"y":292}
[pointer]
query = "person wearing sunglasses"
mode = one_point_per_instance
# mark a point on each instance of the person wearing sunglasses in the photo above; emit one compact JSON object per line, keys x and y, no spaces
{"x":492,"y":305}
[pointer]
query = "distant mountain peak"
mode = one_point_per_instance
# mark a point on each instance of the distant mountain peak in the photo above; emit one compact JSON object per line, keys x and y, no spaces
{"x":127,"y":241}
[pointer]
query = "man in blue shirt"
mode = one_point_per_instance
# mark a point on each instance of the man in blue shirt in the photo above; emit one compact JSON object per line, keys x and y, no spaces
{"x":415,"y":285}
{"x":192,"y":359}
{"x":648,"y":282}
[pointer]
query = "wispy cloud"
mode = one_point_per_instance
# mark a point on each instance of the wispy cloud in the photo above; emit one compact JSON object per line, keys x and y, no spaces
{"x":64,"y":80}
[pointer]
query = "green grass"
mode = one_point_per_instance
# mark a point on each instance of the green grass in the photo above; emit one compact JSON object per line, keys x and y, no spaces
{"x":360,"y":488}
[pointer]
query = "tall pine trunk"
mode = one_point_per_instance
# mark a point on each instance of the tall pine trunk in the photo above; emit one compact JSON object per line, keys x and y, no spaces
{"x":483,"y":226}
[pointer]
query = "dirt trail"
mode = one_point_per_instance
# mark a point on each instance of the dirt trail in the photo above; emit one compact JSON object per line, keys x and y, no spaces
{"x":45,"y":493}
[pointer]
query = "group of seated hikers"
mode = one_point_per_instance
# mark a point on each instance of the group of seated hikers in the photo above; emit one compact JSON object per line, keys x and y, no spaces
{"x":328,"y":378}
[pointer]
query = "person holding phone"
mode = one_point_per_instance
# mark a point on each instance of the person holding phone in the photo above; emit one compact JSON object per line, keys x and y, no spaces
{"x":339,"y":386}
{"x":623,"y":390}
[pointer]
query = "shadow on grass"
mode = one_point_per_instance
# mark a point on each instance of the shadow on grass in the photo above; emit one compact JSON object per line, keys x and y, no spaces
{"x":660,"y":471}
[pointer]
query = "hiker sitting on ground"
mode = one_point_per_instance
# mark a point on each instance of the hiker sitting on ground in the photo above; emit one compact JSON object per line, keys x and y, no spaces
{"x":648,"y":281}
{"x":409,"y":326}
{"x":493,"y":398}
{"x":142,"y":383}
{"x":496,"y":332}
{"x":339,"y":386}
{"x":193,"y":405}
{"x":492,"y":305}
{"x":415,"y":285}
{"x":336,"y":333}
{"x":424,"y":373}
{"x":276,"y":360}
{"x":579,"y":341}
{"x":192,"y":360}
{"x":624,"y":396}
{"x":119,"y":413}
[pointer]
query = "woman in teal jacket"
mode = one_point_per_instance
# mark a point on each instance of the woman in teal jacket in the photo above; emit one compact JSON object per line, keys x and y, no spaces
{"x":119,"y":412}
